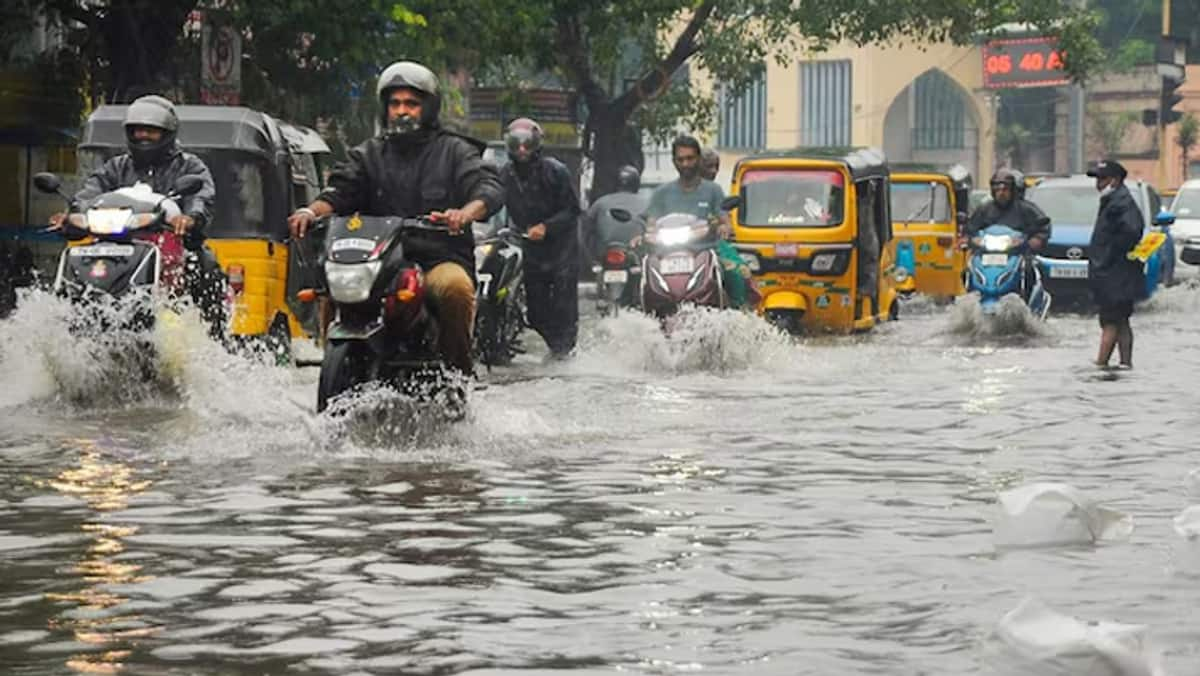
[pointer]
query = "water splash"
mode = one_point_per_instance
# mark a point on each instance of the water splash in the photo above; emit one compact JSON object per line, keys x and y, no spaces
{"x":1010,"y":322}
{"x":700,"y":340}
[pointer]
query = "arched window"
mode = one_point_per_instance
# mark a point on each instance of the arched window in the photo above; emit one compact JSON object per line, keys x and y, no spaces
{"x":940,"y":114}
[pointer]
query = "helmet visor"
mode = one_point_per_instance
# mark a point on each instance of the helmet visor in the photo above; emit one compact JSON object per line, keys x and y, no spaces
{"x":521,"y":143}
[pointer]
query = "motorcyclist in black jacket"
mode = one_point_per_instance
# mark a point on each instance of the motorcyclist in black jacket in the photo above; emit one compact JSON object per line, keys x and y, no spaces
{"x":416,"y":168}
{"x":544,"y":204}
{"x":1008,"y":207}
{"x":155,"y":158}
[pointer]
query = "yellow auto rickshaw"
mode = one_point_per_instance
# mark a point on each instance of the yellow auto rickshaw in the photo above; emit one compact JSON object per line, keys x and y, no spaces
{"x":263,"y":169}
{"x":814,"y":228}
{"x":929,"y":211}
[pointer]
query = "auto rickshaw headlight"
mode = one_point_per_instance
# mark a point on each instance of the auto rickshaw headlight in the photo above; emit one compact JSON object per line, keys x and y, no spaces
{"x":351,"y":283}
{"x":833,"y":263}
{"x":901,"y":275}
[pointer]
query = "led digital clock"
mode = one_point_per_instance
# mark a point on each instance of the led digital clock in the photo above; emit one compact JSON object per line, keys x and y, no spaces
{"x":1025,"y":62}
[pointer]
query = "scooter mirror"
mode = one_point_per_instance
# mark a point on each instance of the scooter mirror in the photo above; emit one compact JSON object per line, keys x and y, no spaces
{"x":1164,"y":218}
{"x":732,"y":202}
{"x":188,"y":185}
{"x":47,"y":182}
{"x":622,"y":215}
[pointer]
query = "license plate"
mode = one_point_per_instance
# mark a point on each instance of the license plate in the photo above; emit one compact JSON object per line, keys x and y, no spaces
{"x":353,"y":244}
{"x":615,"y":276}
{"x":995,"y":259}
{"x":678,"y":265}
{"x":787,"y":250}
{"x":103,"y":250}
{"x":1068,"y":273}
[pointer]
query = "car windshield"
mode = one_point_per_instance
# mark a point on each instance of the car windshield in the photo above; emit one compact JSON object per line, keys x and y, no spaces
{"x":792,"y":198}
{"x":1071,"y":204}
{"x":920,"y":202}
{"x":1187,"y":203}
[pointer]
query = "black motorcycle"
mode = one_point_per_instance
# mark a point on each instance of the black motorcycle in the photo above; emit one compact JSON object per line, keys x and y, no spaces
{"x":619,"y":273}
{"x":382,"y":330}
{"x":132,"y":257}
{"x":499,"y":298}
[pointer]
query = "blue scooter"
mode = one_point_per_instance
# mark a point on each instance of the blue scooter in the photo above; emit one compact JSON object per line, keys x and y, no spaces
{"x":997,"y":268}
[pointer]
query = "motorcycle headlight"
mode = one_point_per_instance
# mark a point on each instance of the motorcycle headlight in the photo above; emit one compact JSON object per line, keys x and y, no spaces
{"x":108,"y":221}
{"x":751,"y":261}
{"x":674,"y":236}
{"x":483,"y":251}
{"x":351,"y":282}
{"x":997,"y":242}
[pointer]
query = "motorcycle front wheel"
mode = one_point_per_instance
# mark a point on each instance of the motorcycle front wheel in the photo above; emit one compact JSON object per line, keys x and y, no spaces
{"x":343,"y":367}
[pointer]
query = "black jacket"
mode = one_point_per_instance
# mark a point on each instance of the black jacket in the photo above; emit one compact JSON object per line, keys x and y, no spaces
{"x":1113,"y":277}
{"x":544,"y":192}
{"x":120,"y":172}
{"x":1020,"y":215}
{"x":442,"y":171}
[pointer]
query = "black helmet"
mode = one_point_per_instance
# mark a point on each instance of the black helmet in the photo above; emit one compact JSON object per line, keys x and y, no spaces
{"x":1004,"y":175}
{"x":523,"y":139}
{"x":629,"y":179}
{"x":151,"y":111}
{"x":411,"y":75}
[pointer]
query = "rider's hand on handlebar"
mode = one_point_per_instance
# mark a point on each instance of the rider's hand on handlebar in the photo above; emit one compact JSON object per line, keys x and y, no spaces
{"x":538,"y":232}
{"x":300,"y":221}
{"x":181,"y":224}
{"x":455,"y":219}
{"x":56,"y":220}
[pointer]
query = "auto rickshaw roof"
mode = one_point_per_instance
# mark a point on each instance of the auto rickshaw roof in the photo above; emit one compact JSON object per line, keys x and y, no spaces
{"x":207,"y":127}
{"x":303,"y":139}
{"x":957,"y":173}
{"x":861,"y":162}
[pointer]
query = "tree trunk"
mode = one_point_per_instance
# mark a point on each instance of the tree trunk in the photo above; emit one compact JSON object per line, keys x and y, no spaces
{"x":614,"y":145}
{"x":138,"y":40}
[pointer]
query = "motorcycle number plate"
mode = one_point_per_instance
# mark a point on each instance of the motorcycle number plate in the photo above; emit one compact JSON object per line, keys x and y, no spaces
{"x":788,"y":250}
{"x":615,"y":276}
{"x":1069,"y":273}
{"x":994,"y":259}
{"x":677,"y":265}
{"x":354,"y":244}
{"x":103,"y":250}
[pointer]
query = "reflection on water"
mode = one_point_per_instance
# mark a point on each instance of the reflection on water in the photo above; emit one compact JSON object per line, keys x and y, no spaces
{"x":725,"y":500}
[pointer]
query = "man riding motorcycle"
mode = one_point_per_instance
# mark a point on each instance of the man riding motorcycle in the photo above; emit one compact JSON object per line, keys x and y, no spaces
{"x":155,"y":158}
{"x":1008,"y":207}
{"x":415,"y":168}
{"x":600,"y":228}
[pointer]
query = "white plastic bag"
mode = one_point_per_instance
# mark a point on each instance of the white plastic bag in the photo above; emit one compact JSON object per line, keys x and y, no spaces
{"x":1047,"y":514}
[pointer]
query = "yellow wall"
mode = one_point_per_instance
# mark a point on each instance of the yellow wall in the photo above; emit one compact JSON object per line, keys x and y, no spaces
{"x":879,"y":75}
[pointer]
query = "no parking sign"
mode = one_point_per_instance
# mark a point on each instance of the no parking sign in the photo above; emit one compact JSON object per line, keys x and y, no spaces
{"x":220,"y":64}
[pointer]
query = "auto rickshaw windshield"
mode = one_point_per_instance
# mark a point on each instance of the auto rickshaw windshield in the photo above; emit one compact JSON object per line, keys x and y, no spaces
{"x":792,"y":198}
{"x":921,"y":202}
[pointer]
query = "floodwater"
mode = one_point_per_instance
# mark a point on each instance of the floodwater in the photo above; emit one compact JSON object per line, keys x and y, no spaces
{"x":728,"y":501}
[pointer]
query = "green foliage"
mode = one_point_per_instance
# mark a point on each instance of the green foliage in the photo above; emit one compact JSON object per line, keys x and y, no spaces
{"x":1108,"y":130}
{"x":1187,"y":135}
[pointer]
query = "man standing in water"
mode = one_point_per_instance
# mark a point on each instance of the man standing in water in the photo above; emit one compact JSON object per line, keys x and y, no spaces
{"x":1116,"y":281}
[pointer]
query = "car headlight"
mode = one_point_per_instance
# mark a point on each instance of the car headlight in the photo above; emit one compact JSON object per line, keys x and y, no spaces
{"x":751,"y":260}
{"x":823,"y":262}
{"x":351,"y":283}
{"x":997,"y":242}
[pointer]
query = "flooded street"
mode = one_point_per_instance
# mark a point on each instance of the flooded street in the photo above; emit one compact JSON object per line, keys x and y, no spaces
{"x":728,"y":501}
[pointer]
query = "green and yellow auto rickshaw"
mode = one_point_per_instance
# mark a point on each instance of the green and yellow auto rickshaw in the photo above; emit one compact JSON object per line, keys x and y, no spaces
{"x":929,"y":211}
{"x":814,"y":227}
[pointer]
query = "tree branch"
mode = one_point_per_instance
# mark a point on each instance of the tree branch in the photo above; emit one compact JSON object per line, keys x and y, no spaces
{"x":651,"y":84}
{"x":573,"y":56}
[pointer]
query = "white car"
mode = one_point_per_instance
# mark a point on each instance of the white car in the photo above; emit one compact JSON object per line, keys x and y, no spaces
{"x":1186,"y":229}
